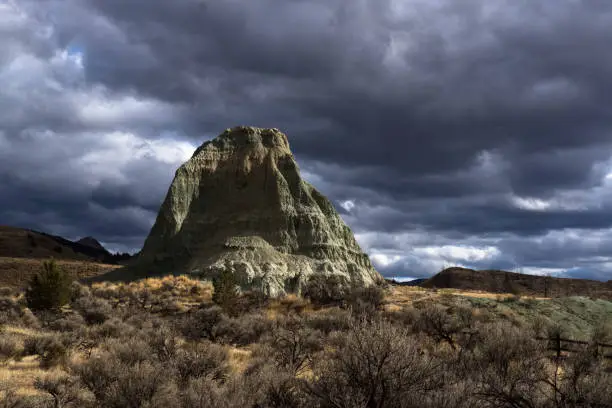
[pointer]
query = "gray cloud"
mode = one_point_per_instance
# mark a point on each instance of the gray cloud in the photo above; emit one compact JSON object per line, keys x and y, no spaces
{"x":478,"y":124}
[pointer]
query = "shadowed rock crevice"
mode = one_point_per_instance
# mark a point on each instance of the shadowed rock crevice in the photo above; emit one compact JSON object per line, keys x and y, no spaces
{"x":240,"y":204}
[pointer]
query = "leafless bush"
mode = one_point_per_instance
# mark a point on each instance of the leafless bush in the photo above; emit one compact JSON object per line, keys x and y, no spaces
{"x":202,"y":323}
{"x":163,"y":342}
{"x":69,"y":323}
{"x":364,"y":301}
{"x":290,"y":345}
{"x":204,"y":359}
{"x":509,"y":369}
{"x":64,"y":390}
{"x":379,"y":365}
{"x":9,"y":347}
{"x":129,"y":351}
{"x":331,"y":320}
{"x":52,"y":350}
{"x":10,"y":311}
{"x":243,"y":330}
{"x":442,"y":325}
{"x":326,"y":289}
{"x":93,"y":310}
{"x":116,"y":384}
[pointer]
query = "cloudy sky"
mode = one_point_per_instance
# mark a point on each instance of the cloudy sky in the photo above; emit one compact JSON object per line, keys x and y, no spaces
{"x":473,"y":132}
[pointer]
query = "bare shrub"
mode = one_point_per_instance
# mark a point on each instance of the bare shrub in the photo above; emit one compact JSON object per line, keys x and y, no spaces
{"x":116,"y":384}
{"x":64,"y":390}
{"x":585,"y":382}
{"x":129,"y":351}
{"x":93,"y":310}
{"x":9,"y":347}
{"x":290,"y":345}
{"x":202,"y":323}
{"x":326,"y":289}
{"x":364,"y":301}
{"x":163,"y":343}
{"x":68,"y":323}
{"x":441,"y":325}
{"x":378,"y":365}
{"x":112,"y":328}
{"x":331,"y":320}
{"x":203,"y":359}
{"x":10,"y":311}
{"x":52,"y":350}
{"x":509,"y":369}
{"x":243,"y":330}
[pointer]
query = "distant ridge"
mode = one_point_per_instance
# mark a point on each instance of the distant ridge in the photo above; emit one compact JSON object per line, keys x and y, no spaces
{"x":497,"y":281}
{"x":91,"y":242}
{"x":18,"y":242}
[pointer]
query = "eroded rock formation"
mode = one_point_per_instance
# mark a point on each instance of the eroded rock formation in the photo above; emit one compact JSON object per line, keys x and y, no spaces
{"x":240,"y":204}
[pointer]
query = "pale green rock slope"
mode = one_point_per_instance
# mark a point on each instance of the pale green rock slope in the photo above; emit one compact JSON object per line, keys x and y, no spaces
{"x":239,"y":204}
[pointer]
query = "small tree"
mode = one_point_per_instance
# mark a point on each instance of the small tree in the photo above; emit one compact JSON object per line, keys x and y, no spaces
{"x":225,"y":292}
{"x":50,"y":288}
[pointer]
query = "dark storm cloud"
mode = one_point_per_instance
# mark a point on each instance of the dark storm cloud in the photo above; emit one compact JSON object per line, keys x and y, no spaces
{"x":467,"y":120}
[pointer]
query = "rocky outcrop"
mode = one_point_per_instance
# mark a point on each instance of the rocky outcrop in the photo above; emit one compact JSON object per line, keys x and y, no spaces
{"x":239,"y":204}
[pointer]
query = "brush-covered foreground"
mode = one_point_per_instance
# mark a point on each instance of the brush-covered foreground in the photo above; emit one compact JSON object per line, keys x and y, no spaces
{"x":164,"y":343}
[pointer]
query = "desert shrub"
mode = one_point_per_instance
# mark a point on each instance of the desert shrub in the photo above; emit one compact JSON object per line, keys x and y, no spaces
{"x":250,"y":301}
{"x":78,"y":290}
{"x":9,"y":347}
{"x":377,"y":365}
{"x":93,"y":310}
{"x":129,"y":351}
{"x":51,"y":349}
{"x":225,"y":292}
{"x":585,"y":382}
{"x":243,"y":330}
{"x":167,"y":307}
{"x":326,"y":289}
{"x":164,"y":343}
{"x":508,"y":369}
{"x":331,"y":320}
{"x":263,"y":388}
{"x":202,"y":323}
{"x":201,"y":359}
{"x":364,"y":301}
{"x":116,"y":384}
{"x":290,"y":345}
{"x":443,"y":326}
{"x":63,"y":390}
{"x":68,"y":323}
{"x":10,"y":311}
{"x":51,"y":288}
{"x":112,"y":328}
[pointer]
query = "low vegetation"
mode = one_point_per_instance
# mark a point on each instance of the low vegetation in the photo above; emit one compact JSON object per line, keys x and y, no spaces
{"x":166,"y":343}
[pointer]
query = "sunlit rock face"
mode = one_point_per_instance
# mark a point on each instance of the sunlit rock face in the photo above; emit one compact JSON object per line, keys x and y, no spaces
{"x":239,"y":204}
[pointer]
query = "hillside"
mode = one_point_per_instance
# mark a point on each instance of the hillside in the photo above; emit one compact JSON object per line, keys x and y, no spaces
{"x":509,"y":282}
{"x":23,"y":243}
{"x":16,"y":272}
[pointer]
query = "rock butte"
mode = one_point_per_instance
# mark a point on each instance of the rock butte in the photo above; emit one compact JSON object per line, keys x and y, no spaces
{"x":239,"y":204}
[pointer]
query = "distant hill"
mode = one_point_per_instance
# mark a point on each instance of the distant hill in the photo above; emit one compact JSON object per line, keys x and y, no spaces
{"x":414,"y":282}
{"x":24,"y":243}
{"x":91,"y":242}
{"x":509,"y":282}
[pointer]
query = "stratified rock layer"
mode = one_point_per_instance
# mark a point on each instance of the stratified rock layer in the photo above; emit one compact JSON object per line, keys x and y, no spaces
{"x":240,"y":204}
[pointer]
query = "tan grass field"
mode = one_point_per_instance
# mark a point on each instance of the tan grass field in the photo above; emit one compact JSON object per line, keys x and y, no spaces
{"x":16,"y":272}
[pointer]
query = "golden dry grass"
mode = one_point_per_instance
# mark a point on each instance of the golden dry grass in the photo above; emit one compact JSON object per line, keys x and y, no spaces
{"x":239,"y":358}
{"x":16,"y":272}
{"x":20,"y":375}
